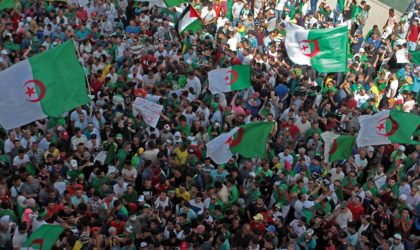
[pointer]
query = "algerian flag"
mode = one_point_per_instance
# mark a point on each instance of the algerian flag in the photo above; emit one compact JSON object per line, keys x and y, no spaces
{"x":7,"y":4}
{"x":47,"y":84}
{"x":337,"y":147}
{"x":228,"y":79}
{"x":167,"y":3}
{"x":189,"y":21}
{"x":248,"y":140}
{"x":387,"y":127}
{"x":44,"y":237}
{"x":324,"y":49}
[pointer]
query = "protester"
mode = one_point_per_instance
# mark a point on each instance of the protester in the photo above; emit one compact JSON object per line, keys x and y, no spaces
{"x":112,"y":181}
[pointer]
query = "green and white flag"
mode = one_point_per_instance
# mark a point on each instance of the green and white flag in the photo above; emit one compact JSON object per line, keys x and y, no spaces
{"x":324,"y":49}
{"x":44,"y":237}
{"x":337,"y":147}
{"x":229,"y":79}
{"x":167,"y":3}
{"x":386,"y":127}
{"x":189,"y":21}
{"x":47,"y":84}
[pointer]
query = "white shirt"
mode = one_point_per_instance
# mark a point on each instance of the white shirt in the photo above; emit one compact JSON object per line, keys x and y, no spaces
{"x":392,"y":88}
{"x":221,"y":22}
{"x":19,"y":239}
{"x":207,"y":15}
{"x":335,"y":176}
{"x":296,"y":228}
{"x":195,"y":84}
{"x":118,"y":190}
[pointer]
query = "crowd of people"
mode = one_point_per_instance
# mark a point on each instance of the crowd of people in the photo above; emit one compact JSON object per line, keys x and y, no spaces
{"x":115,"y":183}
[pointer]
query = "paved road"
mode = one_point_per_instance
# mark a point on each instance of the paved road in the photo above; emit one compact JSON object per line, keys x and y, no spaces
{"x":378,"y":13}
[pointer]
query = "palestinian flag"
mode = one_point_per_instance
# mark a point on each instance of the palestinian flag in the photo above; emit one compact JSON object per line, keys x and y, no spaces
{"x":44,"y":237}
{"x":7,"y":4}
{"x":337,"y":147}
{"x":386,"y":127}
{"x":325,"y":49}
{"x":415,"y":57}
{"x":167,"y":3}
{"x":189,"y":21}
{"x":248,"y":140}
{"x":47,"y":84}
{"x":229,"y":79}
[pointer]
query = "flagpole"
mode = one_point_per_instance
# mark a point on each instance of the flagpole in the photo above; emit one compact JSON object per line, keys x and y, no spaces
{"x":87,"y":81}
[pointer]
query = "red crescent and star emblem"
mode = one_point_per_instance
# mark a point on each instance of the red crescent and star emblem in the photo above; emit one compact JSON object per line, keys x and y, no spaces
{"x":307,"y":49}
{"x":39,"y":242}
{"x":381,"y":127}
{"x":233,"y":142}
{"x":31,"y":91}
{"x":333,"y":148}
{"x":228,"y":79}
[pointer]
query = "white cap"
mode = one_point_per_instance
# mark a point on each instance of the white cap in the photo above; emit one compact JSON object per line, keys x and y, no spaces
{"x":252,"y":174}
{"x":371,"y":149}
{"x":4,"y":52}
{"x":5,"y":219}
{"x":401,"y":148}
{"x":73,"y":163}
{"x":177,"y":133}
{"x":141,"y":198}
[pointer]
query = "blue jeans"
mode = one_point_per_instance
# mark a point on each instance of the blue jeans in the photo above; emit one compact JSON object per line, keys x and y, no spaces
{"x":314,"y":4}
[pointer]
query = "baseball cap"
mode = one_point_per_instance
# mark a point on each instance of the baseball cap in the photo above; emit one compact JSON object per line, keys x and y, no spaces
{"x":252,"y":174}
{"x":141,"y":198}
{"x":119,"y":136}
{"x":397,"y":236}
{"x":401,"y":148}
{"x":310,"y":232}
{"x":271,"y":229}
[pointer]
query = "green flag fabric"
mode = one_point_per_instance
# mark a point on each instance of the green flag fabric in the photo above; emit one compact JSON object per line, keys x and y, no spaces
{"x":415,"y":57}
{"x":44,"y":237}
{"x":248,"y":140}
{"x":7,"y":4}
{"x":337,"y":147}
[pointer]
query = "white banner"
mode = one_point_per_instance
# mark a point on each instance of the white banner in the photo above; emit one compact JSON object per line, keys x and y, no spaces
{"x":83,"y":3}
{"x":150,"y":111}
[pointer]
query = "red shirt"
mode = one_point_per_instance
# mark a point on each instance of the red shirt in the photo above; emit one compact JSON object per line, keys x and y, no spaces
{"x":356,"y":211}
{"x":413,"y":36}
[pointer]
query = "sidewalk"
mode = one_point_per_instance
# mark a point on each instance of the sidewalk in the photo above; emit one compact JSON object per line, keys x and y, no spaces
{"x":378,"y":13}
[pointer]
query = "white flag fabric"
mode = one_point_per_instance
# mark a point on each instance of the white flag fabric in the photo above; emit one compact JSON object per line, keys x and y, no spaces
{"x":371,"y":131}
{"x":218,"y":148}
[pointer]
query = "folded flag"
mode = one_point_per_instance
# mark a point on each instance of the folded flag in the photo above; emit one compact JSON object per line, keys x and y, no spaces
{"x":229,"y":79}
{"x":167,"y":3}
{"x":337,"y":147}
{"x":248,"y":140}
{"x":387,"y":127}
{"x":189,"y":21}
{"x":44,"y":237}
{"x":324,"y":49}
{"x":7,"y":4}
{"x":47,"y":84}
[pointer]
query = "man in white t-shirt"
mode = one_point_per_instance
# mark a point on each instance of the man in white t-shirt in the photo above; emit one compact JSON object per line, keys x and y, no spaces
{"x":208,"y":14}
